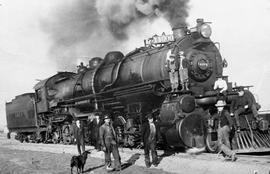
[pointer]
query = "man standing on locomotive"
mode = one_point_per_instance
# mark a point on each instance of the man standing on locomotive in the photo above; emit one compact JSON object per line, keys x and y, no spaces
{"x":149,"y":137}
{"x":225,"y":125}
{"x":183,"y":71}
{"x":173,"y":70}
{"x":244,"y":101}
{"x":109,"y":144}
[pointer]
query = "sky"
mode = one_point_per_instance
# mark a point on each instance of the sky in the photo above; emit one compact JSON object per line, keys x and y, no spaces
{"x":241,"y":27}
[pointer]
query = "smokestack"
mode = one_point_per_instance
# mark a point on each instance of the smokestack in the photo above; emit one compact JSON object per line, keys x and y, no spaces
{"x":179,"y":32}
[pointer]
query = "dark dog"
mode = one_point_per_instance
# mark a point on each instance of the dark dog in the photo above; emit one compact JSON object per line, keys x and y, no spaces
{"x":79,"y":162}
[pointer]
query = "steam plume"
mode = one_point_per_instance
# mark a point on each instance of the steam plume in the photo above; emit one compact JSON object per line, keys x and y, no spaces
{"x":89,"y":28}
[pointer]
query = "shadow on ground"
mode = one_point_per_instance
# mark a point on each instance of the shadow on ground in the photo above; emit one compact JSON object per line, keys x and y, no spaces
{"x":170,"y":152}
{"x":93,"y":168}
{"x":131,"y":161}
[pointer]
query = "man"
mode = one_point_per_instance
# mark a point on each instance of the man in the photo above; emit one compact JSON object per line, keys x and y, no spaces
{"x":183,"y":71}
{"x":109,"y":144}
{"x":220,"y":85}
{"x":149,"y":137}
{"x":225,"y":125}
{"x":244,"y":101}
{"x":79,"y":136}
{"x":49,"y":131}
{"x":173,"y":70}
{"x":95,"y":129}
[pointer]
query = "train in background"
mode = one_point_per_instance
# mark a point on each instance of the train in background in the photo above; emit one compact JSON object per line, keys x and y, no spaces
{"x":146,"y":80}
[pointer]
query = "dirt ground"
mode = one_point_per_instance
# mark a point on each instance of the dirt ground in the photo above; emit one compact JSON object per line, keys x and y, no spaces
{"x":20,"y":158}
{"x":24,"y":158}
{"x":25,"y":162}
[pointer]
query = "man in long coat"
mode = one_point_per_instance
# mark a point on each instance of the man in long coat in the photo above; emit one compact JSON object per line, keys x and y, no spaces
{"x":109,"y":144}
{"x":95,"y":129}
{"x":79,"y":136}
{"x":149,"y":137}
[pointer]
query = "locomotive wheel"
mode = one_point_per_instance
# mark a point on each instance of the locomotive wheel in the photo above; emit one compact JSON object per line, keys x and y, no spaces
{"x":120,"y":126}
{"x":27,"y":139}
{"x":55,"y":138}
{"x":66,"y":135}
{"x":66,"y":139}
{"x":21,"y":138}
{"x":211,"y":146}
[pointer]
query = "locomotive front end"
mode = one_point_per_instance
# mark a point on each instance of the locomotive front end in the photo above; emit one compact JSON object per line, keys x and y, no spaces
{"x":196,"y":58}
{"x":194,"y":63}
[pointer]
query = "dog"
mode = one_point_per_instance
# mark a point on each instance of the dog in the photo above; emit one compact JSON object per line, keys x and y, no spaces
{"x":79,"y":162}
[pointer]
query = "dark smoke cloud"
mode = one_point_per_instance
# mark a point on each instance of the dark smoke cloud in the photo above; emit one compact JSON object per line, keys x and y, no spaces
{"x":176,"y":15}
{"x":88,"y":28}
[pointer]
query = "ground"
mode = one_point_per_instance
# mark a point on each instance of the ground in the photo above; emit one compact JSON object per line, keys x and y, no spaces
{"x":25,"y":158}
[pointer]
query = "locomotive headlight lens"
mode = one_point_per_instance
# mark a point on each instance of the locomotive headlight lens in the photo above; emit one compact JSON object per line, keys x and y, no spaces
{"x":206,"y":30}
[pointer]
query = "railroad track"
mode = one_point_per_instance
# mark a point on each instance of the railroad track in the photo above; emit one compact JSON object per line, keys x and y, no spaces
{"x":260,"y":157}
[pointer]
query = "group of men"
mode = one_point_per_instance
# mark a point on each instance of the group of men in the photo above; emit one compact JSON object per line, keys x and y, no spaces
{"x":106,"y":140}
{"x":178,"y":71}
{"x":245,"y":101}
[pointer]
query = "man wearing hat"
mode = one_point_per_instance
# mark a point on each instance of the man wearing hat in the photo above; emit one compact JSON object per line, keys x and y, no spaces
{"x":183,"y":71}
{"x":225,"y":124}
{"x":109,"y":144}
{"x":172,"y":66}
{"x":79,"y":136}
{"x":95,"y":125}
{"x":149,"y":137}
{"x":244,"y":101}
{"x":78,"y":130}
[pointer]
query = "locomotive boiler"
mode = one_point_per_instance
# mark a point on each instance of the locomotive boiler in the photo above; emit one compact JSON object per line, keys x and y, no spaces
{"x":172,"y":77}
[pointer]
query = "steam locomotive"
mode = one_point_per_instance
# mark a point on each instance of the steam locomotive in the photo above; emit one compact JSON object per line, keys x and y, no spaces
{"x":171,"y":76}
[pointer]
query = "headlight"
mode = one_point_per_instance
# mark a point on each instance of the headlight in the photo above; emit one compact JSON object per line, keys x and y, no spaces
{"x":205,"y":30}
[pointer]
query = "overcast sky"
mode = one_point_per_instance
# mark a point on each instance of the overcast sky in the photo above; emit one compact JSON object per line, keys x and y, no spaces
{"x":242,"y":28}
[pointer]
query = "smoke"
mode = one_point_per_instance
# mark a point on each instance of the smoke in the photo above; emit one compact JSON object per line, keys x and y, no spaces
{"x":88,"y":28}
{"x":175,"y":12}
